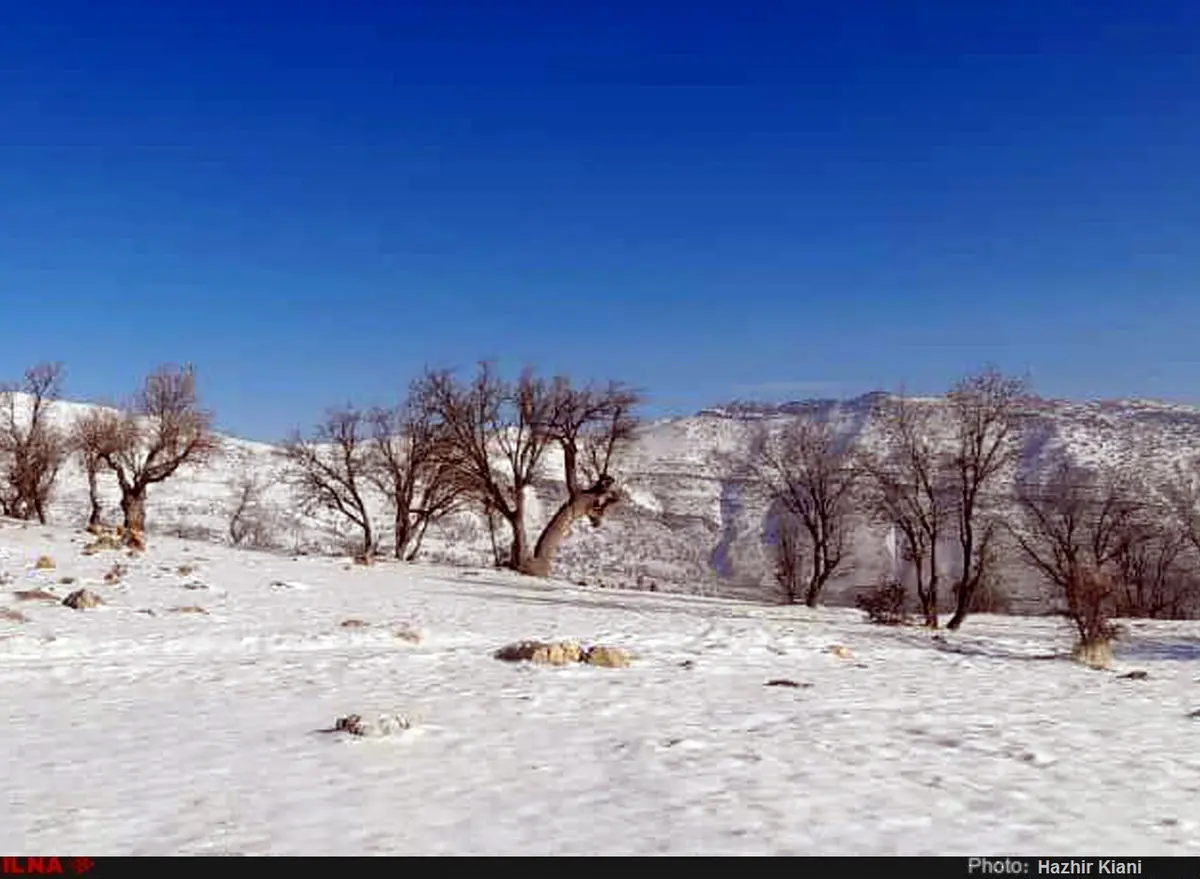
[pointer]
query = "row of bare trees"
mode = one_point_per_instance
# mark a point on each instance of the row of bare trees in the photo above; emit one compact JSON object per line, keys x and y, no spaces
{"x":482,"y":442}
{"x":944,"y":473}
{"x":145,"y":441}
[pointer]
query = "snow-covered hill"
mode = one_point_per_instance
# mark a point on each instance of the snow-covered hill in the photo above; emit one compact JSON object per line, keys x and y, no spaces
{"x":185,"y":716}
{"x":689,"y":526}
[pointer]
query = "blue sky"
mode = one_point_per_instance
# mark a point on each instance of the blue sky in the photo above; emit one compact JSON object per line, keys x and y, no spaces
{"x":314,"y":201}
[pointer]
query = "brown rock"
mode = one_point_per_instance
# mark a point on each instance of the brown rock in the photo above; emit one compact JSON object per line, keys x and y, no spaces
{"x":607,"y":657}
{"x":191,"y":608}
{"x":353,"y":624}
{"x":541,"y":653}
{"x":82,"y":599}
{"x":44,"y":563}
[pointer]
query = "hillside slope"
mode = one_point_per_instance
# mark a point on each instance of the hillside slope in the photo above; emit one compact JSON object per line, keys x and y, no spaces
{"x":688,"y":526}
{"x":184,"y":715}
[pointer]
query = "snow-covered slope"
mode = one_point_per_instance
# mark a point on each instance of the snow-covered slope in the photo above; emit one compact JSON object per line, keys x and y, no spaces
{"x":183,"y":716}
{"x":690,"y":526}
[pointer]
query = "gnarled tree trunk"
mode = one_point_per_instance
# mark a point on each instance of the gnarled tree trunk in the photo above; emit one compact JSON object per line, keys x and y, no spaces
{"x":94,"y":517}
{"x":133,"y":510}
{"x":591,"y":502}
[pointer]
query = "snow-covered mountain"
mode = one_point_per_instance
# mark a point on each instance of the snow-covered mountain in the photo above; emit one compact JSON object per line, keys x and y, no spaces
{"x":690,"y":524}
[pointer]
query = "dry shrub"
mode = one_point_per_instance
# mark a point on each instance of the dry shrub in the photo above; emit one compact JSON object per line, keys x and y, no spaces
{"x":885,"y":604}
{"x":1090,"y":605}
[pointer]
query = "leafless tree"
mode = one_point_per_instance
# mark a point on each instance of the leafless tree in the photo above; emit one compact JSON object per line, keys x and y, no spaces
{"x":32,"y":447}
{"x":332,"y":469}
{"x":984,"y":411}
{"x":1182,"y":497}
{"x":591,"y":427}
{"x":405,"y":467}
{"x":251,"y":523}
{"x":809,"y":471}
{"x":495,"y":438}
{"x":85,"y":441}
{"x":1153,"y":576}
{"x":1072,"y":530}
{"x":162,"y":430}
{"x":909,"y":488}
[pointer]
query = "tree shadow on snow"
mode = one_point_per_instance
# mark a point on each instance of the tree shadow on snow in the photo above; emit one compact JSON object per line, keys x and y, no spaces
{"x":1177,"y":651}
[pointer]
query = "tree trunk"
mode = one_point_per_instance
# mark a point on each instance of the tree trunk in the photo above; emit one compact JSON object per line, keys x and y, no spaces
{"x":401,"y":530}
{"x":518,"y":552}
{"x":133,"y":510}
{"x":418,"y":539}
{"x":94,"y":517}
{"x":368,"y":540}
{"x":591,"y":502}
{"x":965,"y":590}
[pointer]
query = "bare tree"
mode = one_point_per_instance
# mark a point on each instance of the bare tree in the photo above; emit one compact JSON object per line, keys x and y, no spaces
{"x":32,"y":447}
{"x":495,"y":437}
{"x":1072,"y":530}
{"x":1182,"y":495}
{"x":251,"y":523}
{"x":488,"y":419}
{"x":984,"y":410}
{"x":591,"y":427}
{"x":162,"y":430}
{"x":811,"y":473}
{"x":331,"y":470}
{"x":910,"y":490}
{"x":405,"y":467}
{"x":1153,"y":577}
{"x":86,"y":441}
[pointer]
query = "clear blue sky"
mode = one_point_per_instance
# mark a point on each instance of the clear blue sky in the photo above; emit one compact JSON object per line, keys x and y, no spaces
{"x":312,"y":200}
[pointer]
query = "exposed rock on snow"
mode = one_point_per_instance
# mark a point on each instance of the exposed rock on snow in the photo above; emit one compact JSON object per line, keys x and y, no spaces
{"x":384,"y":725}
{"x":541,"y":652}
{"x":608,"y":657}
{"x":82,"y":599}
{"x":563,"y":653}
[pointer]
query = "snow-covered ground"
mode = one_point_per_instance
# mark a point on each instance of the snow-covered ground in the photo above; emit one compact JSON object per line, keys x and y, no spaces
{"x":134,"y":728}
